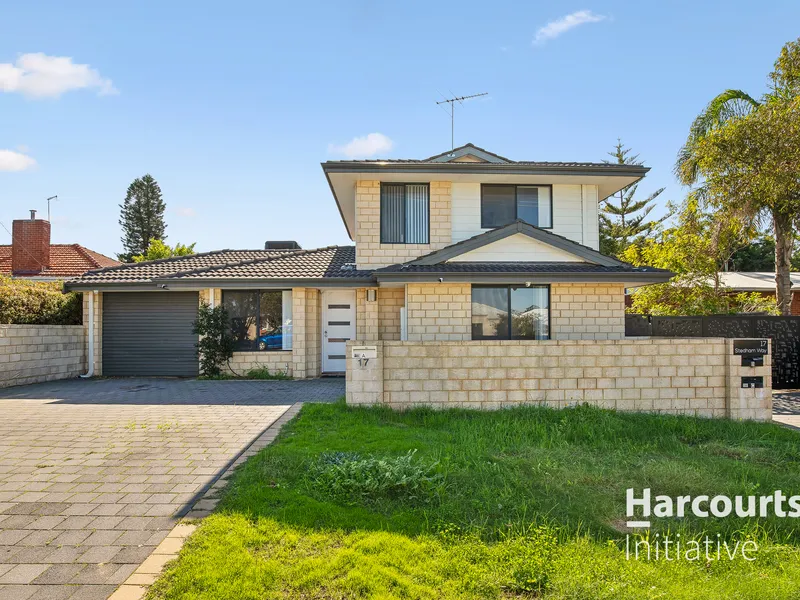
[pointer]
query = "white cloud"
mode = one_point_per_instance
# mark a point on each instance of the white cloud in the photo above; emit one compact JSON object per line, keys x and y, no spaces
{"x":363,"y":147}
{"x":555,"y":28}
{"x":15,"y":161}
{"x":40,"y":76}
{"x":185,"y":211}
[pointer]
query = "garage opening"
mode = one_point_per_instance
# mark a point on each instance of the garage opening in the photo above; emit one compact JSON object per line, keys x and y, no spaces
{"x":149,"y":334}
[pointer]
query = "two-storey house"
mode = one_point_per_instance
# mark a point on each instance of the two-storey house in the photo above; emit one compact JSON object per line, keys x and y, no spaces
{"x":462,"y":246}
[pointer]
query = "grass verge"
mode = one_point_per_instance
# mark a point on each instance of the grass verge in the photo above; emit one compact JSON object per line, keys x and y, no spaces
{"x":525,"y":502}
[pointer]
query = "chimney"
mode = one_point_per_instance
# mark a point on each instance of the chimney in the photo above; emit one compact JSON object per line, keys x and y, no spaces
{"x":30,"y":246}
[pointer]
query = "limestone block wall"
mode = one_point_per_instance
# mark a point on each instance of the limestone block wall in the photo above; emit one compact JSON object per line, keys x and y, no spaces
{"x":34,"y":353}
{"x":439,"y":311}
{"x":587,"y":311}
{"x":673,"y":376}
{"x":277,"y":361}
{"x":370,"y":253}
{"x":390,"y":301}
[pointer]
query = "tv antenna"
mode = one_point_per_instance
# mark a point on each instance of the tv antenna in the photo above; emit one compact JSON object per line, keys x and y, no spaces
{"x":452,"y":103}
{"x":48,"y":205}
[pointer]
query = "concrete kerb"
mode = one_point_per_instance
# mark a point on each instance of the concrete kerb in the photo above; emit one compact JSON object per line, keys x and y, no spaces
{"x":136,"y":586}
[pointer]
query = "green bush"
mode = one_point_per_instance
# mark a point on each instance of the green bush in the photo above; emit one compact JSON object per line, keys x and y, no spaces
{"x":216,"y":343}
{"x":348,"y":477}
{"x":24,"y":302}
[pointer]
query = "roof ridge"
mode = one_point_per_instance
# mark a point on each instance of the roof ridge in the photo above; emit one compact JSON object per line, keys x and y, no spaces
{"x":82,"y":251}
{"x":242,"y":263}
{"x":124,"y":266}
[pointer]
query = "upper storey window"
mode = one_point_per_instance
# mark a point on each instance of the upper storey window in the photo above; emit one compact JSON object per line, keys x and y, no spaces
{"x":503,"y":204}
{"x":405,"y":213}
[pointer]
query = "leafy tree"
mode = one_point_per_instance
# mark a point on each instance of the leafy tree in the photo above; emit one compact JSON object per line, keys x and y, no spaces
{"x":624,"y":221}
{"x":745,"y":155}
{"x":760,"y":256}
{"x":695,"y":249}
{"x":158,"y":249}
{"x":141,"y":217}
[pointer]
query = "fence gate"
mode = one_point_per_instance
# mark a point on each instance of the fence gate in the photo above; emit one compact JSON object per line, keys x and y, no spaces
{"x":783,"y":331}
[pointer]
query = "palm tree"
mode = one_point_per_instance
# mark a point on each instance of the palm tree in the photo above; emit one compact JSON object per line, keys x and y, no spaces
{"x":729,"y":105}
{"x":732,"y":105}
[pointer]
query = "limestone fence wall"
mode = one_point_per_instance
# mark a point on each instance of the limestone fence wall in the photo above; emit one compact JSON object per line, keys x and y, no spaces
{"x":34,"y":353}
{"x":699,"y":376}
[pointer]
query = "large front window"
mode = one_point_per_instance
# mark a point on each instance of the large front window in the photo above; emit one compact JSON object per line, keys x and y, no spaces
{"x":404,"y":213}
{"x":510,"y":312}
{"x":503,"y":204}
{"x":260,"y":320}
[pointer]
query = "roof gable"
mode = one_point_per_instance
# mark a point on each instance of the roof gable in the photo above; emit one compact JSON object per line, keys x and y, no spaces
{"x":517,"y":247}
{"x":468,"y":153}
{"x":583,"y":253}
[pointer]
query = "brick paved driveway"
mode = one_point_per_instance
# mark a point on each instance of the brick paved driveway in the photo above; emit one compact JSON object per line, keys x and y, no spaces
{"x":94,"y":474}
{"x":786,"y":407}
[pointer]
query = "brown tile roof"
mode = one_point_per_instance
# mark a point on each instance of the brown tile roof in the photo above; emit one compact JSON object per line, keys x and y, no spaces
{"x":332,"y":261}
{"x":66,"y":260}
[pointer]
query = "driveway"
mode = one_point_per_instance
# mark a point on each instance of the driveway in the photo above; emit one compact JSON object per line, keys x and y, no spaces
{"x":94,"y":474}
{"x":786,"y":407}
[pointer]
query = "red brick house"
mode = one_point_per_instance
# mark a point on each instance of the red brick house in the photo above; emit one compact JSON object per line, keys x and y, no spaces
{"x":31,"y":255}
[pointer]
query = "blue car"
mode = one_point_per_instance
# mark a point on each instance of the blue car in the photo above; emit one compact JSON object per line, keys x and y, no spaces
{"x":272,"y":340}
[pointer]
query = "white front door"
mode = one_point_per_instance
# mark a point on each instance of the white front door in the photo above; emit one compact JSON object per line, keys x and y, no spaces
{"x":338,"y":326}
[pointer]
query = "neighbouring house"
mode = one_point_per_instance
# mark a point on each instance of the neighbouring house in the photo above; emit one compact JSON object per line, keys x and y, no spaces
{"x":31,"y":255}
{"x":462,"y":261}
{"x":762,"y":282}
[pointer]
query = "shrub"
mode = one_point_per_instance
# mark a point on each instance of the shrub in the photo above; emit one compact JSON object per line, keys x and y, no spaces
{"x":24,"y":302}
{"x":349,"y":477}
{"x":216,"y":343}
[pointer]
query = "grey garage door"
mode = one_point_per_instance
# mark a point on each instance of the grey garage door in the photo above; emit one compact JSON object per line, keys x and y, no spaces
{"x":149,"y":333}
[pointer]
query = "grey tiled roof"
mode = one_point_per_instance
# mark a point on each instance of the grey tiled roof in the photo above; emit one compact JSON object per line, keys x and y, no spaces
{"x":516,"y":267}
{"x":147,"y":271}
{"x":506,"y":161}
{"x":320,"y":263}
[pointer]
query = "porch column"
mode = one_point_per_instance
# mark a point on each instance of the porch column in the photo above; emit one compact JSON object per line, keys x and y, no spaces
{"x":369,"y":332}
{"x":299,"y":330}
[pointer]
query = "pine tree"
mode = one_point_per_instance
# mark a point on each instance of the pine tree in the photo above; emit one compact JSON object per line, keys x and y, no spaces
{"x":141,"y":217}
{"x":624,"y":221}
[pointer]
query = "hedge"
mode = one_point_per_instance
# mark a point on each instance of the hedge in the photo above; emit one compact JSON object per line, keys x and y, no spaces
{"x":24,"y":302}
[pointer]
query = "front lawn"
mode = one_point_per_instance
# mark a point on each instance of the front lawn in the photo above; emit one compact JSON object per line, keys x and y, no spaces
{"x":526,"y":502}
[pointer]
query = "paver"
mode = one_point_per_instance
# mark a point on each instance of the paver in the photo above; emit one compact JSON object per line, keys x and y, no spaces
{"x":94,"y":475}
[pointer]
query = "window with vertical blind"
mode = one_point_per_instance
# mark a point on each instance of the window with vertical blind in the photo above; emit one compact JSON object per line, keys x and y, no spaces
{"x":405,"y":213}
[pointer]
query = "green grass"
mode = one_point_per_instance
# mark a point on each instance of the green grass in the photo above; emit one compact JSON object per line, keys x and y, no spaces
{"x":527,"y":502}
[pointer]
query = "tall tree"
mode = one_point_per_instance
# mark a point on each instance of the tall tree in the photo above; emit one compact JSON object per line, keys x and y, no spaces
{"x":744,"y":154}
{"x":623,"y":221}
{"x":141,"y":217}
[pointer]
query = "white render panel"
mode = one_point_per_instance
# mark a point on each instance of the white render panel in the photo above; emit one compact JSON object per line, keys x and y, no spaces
{"x":466,"y":211}
{"x":573,"y":205}
{"x":591,"y":229}
{"x":517,"y":248}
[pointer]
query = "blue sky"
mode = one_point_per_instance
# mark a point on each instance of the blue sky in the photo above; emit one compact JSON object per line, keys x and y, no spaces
{"x":232,"y":106}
